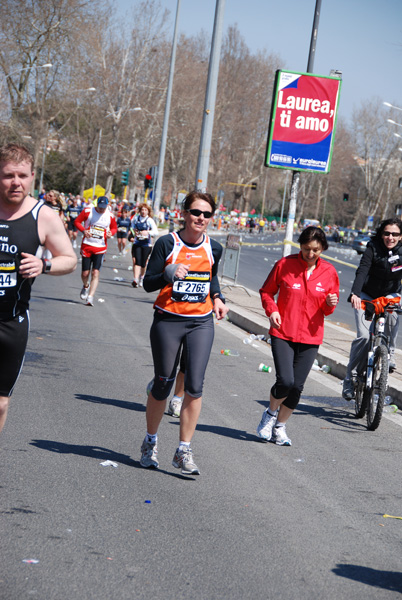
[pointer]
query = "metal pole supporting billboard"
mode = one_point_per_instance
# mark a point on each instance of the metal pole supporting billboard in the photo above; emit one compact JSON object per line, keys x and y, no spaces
{"x":287,"y":249}
{"x":201,"y":177}
{"x":162,"y":151}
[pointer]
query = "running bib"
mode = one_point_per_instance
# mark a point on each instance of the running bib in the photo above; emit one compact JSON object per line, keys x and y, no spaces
{"x":97,"y":232}
{"x":194,"y":288}
{"x":8,"y":274}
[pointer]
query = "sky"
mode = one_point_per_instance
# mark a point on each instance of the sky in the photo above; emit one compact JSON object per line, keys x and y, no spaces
{"x":361,"y":38}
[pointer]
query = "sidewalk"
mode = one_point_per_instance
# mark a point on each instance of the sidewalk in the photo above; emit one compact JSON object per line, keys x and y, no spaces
{"x":246,"y":312}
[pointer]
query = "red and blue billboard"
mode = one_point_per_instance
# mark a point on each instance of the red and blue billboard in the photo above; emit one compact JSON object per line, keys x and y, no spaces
{"x":302,"y":123}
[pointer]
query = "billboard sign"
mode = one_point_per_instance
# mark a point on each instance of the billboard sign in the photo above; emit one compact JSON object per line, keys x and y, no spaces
{"x":302,"y":124}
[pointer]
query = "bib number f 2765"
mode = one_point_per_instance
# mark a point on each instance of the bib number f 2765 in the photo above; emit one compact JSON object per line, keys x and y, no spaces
{"x":194,"y":288}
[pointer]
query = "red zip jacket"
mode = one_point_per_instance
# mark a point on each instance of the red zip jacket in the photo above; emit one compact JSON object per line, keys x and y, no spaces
{"x":301,"y":302}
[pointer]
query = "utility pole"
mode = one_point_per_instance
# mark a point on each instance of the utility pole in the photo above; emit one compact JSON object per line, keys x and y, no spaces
{"x":162,"y":151}
{"x":201,"y":178}
{"x":97,"y":164}
{"x":287,"y":249}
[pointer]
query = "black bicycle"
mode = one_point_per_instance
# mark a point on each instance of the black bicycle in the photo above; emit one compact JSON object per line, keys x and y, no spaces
{"x":371,"y":385}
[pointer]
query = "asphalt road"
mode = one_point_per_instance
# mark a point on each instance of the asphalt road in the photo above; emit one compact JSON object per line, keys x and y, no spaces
{"x":261,"y":521}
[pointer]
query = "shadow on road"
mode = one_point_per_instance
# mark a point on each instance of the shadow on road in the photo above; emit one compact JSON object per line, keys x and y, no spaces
{"x":112,"y":402}
{"x":387,"y":580}
{"x":236,"y":434}
{"x":89,"y":451}
{"x":100,"y":454}
{"x":339,"y":417}
{"x":65,"y":300}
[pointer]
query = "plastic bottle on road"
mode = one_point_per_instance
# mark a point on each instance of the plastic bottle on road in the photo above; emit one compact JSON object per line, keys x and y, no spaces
{"x":390,"y":408}
{"x":228,"y":352}
{"x":264,"y":368}
{"x":325,"y":369}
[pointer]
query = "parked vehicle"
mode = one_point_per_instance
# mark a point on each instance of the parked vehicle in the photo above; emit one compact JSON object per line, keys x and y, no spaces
{"x":360,"y":242}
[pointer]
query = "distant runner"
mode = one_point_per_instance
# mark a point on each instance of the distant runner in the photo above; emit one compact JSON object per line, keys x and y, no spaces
{"x":98,"y":225}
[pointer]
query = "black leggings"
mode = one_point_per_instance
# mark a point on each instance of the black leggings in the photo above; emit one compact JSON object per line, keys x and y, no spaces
{"x":167,"y":336}
{"x":293,"y":362}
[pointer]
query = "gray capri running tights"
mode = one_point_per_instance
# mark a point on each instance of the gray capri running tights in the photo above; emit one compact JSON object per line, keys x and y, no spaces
{"x":293,"y":362}
{"x":168,"y":334}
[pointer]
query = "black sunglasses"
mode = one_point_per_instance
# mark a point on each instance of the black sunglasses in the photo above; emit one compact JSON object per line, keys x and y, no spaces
{"x":388,"y":233}
{"x":197,"y":213}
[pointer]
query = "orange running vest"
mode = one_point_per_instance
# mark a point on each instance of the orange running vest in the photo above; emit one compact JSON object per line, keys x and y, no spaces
{"x":189,"y":297}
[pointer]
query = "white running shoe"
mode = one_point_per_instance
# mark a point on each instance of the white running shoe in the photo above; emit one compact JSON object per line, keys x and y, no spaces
{"x":266,"y":425}
{"x":183,"y":459}
{"x":174,"y":407}
{"x":149,"y":455}
{"x":84,"y":292}
{"x":90,"y":301}
{"x":280,"y":436}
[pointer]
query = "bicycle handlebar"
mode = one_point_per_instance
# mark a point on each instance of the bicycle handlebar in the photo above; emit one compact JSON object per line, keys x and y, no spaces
{"x":383,"y":304}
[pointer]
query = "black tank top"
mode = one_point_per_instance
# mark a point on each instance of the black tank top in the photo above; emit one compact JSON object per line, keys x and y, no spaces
{"x":16,"y":236}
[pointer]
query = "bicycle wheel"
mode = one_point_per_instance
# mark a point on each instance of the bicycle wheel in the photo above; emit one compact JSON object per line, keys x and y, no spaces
{"x":378,"y":389}
{"x":361,"y":396}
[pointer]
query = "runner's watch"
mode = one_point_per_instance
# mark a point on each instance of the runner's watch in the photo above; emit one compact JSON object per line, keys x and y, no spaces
{"x":220,"y":296}
{"x":47,"y":265}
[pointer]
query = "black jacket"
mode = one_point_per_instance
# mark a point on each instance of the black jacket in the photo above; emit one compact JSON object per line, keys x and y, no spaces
{"x":380,"y":271}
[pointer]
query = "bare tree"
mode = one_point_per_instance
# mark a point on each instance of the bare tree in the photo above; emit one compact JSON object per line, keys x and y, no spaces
{"x":376,"y":148}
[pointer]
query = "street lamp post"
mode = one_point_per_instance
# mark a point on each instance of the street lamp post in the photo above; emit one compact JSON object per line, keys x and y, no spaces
{"x":96,"y":165}
{"x":391,"y":105}
{"x":161,"y":162}
{"x":394,"y":122}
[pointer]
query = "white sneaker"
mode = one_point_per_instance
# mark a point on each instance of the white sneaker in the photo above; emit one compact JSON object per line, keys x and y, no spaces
{"x":174,"y":407}
{"x":149,"y":455}
{"x":74,"y":244}
{"x":266,"y":425}
{"x":280,"y":436}
{"x":84,"y":292}
{"x":90,"y":301}
{"x":140,"y":282}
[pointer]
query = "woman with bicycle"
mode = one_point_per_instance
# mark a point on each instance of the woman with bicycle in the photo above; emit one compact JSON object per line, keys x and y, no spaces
{"x":308,"y":290}
{"x":378,"y":274}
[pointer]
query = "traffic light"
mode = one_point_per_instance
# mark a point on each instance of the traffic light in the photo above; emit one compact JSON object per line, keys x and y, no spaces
{"x":345,"y":197}
{"x":254,"y":185}
{"x":148,"y":182}
{"x":125,"y":176}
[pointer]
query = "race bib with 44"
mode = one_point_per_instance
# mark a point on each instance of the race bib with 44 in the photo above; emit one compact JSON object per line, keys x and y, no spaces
{"x":8,"y":274}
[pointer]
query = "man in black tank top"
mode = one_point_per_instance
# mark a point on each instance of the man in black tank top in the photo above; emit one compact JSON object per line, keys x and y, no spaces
{"x":25,"y":226}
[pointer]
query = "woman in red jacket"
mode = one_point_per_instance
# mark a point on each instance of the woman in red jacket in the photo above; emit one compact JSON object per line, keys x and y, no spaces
{"x":308,"y":290}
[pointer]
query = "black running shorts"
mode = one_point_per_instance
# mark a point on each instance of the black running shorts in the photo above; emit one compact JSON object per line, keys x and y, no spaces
{"x":13,"y":343}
